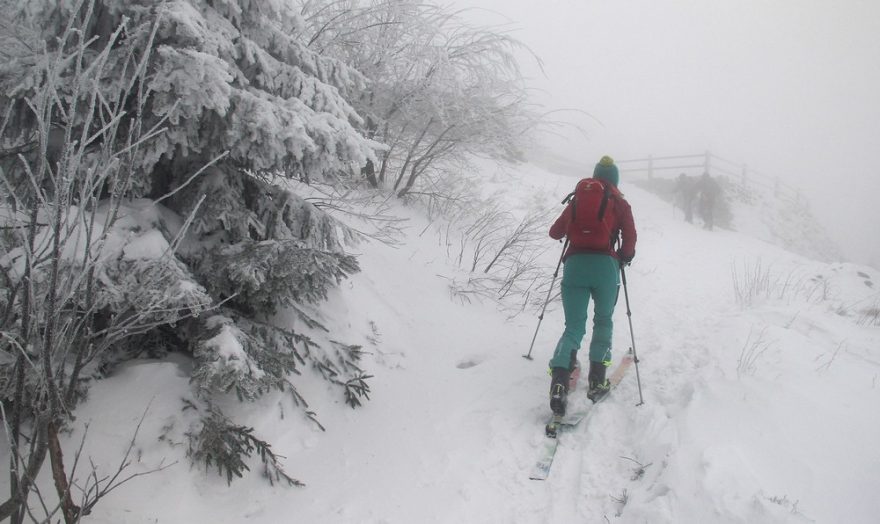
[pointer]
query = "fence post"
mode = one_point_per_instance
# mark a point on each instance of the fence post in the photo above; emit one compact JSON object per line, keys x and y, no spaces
{"x":707,"y":164}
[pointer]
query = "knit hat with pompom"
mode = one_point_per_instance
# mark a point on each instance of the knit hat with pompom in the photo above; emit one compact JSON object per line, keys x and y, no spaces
{"x":607,"y":171}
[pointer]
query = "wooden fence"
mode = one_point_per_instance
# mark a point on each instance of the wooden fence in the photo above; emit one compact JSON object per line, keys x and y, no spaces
{"x":693,"y":165}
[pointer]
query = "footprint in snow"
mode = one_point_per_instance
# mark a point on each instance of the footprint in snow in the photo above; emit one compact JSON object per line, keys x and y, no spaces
{"x":470,"y":362}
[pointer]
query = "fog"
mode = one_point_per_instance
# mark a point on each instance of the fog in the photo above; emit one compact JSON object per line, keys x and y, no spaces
{"x":789,"y":87}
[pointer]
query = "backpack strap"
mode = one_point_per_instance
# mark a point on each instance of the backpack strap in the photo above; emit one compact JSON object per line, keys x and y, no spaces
{"x":605,"y":196}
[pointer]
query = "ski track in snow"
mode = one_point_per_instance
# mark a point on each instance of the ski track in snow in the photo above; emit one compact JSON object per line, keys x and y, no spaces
{"x":456,"y":415}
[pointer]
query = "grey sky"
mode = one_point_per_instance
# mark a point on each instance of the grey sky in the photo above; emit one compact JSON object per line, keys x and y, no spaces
{"x":790,"y":87}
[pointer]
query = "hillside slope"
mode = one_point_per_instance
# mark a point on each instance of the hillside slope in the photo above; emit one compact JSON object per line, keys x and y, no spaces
{"x":760,"y":398}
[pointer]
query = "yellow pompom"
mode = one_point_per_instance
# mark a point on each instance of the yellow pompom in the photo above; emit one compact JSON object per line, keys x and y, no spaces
{"x":606,"y":161}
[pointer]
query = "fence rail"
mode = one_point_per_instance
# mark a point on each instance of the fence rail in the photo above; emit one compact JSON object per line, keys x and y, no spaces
{"x":747,"y":178}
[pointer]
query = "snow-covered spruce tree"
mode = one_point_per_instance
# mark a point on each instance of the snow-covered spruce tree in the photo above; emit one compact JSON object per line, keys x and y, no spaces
{"x":220,"y":98}
{"x":440,"y":90}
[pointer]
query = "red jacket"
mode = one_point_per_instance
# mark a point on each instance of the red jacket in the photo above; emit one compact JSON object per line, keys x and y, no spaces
{"x":623,"y":223}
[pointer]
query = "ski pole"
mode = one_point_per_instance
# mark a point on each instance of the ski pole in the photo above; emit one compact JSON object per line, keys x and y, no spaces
{"x":547,"y":301}
{"x":632,"y":336}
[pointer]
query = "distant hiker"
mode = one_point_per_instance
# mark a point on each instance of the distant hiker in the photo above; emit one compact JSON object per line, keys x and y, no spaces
{"x":686,"y":192}
{"x":709,"y":192}
{"x":595,"y":215}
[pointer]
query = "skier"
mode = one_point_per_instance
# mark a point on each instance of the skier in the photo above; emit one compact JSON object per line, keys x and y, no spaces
{"x":709,"y":194}
{"x":686,"y":191}
{"x":592,"y":270}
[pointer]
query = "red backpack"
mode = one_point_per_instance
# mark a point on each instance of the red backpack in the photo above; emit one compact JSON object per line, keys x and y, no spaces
{"x":593,"y":223}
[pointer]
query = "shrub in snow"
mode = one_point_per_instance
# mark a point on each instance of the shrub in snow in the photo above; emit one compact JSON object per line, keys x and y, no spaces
{"x":451,"y":91}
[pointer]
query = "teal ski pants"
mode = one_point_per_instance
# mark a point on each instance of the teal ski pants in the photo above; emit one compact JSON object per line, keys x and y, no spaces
{"x":588,"y":276}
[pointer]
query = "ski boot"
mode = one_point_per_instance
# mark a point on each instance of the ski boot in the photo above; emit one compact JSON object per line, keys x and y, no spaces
{"x":599,"y":386}
{"x":558,"y":398}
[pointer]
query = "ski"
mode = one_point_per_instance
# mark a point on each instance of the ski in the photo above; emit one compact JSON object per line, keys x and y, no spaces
{"x":557,"y":424}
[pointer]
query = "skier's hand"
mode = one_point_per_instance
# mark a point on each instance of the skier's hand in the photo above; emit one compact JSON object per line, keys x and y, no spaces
{"x":624,"y":260}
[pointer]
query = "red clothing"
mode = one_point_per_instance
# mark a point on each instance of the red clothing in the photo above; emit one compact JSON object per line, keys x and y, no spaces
{"x":623,"y":223}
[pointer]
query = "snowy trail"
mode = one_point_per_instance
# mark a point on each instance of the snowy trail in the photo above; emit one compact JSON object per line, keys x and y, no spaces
{"x":673,"y":339}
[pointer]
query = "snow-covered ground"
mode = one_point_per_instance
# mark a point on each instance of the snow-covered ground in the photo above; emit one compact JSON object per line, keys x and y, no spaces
{"x":760,"y":407}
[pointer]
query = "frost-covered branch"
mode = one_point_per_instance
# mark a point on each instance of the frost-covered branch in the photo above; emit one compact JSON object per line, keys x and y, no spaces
{"x":439,"y":89}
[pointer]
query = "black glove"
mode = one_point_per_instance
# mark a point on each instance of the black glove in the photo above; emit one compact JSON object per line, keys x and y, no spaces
{"x":624,"y":261}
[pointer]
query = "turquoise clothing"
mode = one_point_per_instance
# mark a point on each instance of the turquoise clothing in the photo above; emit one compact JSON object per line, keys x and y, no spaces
{"x":586,"y":276}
